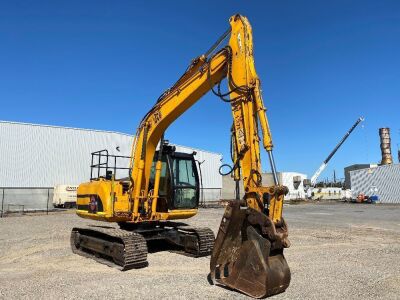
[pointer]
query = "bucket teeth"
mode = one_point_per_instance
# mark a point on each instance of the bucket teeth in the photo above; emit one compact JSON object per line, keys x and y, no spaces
{"x":249,"y":257}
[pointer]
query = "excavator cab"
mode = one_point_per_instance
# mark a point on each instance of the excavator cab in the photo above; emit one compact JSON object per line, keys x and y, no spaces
{"x":179,"y":180}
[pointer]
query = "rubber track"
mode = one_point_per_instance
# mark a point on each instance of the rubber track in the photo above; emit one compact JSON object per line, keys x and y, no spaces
{"x":135,"y":252}
{"x":206,"y":239}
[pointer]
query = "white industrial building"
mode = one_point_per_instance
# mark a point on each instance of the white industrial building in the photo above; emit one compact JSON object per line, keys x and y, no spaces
{"x":382,"y":181}
{"x":41,"y":156}
{"x":292,"y":180}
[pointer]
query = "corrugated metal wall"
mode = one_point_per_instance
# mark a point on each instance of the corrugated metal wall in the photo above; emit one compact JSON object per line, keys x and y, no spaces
{"x":44,"y":156}
{"x":384,"y":181}
{"x":210,"y":163}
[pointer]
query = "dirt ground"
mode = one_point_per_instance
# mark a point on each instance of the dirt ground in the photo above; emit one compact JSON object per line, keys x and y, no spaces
{"x":339,"y":251}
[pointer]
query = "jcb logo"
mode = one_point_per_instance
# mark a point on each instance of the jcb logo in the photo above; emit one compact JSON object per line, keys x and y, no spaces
{"x":157,"y":116}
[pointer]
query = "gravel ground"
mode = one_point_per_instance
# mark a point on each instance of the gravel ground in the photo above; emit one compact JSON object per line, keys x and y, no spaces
{"x":338,"y":251}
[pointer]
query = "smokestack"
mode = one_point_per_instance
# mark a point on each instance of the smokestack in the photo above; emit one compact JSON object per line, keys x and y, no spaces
{"x":398,"y":155}
{"x":384,"y":134}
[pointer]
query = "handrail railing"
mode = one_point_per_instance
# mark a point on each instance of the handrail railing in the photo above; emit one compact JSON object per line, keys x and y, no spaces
{"x":109,"y":163}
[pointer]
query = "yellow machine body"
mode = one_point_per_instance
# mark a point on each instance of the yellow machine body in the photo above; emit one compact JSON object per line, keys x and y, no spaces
{"x":248,"y":251}
{"x":115,"y":205}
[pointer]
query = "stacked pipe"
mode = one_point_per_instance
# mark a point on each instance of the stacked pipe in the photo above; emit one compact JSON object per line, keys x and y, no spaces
{"x":384,"y":134}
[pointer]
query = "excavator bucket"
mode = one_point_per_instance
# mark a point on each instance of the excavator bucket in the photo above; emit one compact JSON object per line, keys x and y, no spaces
{"x":248,"y":253}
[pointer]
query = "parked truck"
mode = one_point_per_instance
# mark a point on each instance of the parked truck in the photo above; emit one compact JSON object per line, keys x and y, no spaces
{"x":64,"y":196}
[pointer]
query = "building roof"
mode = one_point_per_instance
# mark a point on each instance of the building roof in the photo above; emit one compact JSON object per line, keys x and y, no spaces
{"x":63,"y":127}
{"x":96,"y":130}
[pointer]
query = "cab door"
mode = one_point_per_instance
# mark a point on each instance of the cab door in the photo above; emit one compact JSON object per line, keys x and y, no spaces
{"x":185,"y":182}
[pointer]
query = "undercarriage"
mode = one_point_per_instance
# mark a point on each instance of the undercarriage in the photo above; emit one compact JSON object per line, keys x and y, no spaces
{"x":127,"y":247}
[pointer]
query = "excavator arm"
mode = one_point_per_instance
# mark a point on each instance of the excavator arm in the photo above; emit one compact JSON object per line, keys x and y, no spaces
{"x":248,"y":251}
{"x":236,"y":63}
{"x":174,"y":102}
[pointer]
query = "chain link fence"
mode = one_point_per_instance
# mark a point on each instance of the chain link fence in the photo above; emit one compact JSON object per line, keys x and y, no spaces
{"x":26,"y":199}
{"x":33,"y":199}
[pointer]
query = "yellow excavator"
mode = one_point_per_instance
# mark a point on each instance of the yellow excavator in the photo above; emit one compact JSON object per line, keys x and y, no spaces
{"x":162,"y":186}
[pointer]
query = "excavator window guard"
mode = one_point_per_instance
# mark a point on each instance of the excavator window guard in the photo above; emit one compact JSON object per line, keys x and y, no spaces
{"x":105,"y":165}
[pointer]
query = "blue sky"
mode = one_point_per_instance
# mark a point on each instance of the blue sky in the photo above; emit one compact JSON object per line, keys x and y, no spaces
{"x":103,"y":64}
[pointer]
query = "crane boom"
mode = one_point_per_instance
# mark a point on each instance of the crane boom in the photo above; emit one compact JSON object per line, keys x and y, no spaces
{"x":326,"y":161}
